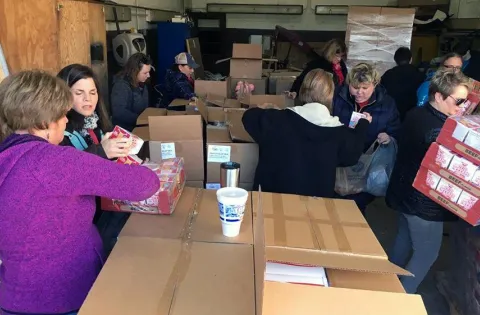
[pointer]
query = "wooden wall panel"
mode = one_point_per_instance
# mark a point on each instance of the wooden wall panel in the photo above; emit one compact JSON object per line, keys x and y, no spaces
{"x":74,"y":33}
{"x":98,"y":30}
{"x":28,"y":34}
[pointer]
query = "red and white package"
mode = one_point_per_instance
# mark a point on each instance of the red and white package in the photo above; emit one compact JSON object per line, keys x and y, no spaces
{"x":462,"y":168}
{"x":476,"y":178}
{"x":130,"y":160}
{"x":444,"y":157}
{"x":449,"y":190}
{"x":137,"y":142}
{"x":467,"y":201}
{"x":432,"y":179}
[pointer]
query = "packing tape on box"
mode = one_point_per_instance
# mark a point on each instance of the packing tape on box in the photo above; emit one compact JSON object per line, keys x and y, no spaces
{"x":182,"y":263}
{"x":280,"y":220}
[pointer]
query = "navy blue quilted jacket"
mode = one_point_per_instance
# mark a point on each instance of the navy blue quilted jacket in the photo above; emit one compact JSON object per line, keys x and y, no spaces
{"x":385,"y":116}
{"x":176,"y":85}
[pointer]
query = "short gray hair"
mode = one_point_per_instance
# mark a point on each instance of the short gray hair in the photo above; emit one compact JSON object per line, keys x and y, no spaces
{"x":445,"y":82}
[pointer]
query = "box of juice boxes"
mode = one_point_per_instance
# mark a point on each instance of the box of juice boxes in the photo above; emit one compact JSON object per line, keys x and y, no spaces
{"x":137,"y":142}
{"x":172,"y":180}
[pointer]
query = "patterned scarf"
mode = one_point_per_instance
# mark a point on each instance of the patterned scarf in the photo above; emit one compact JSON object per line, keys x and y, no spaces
{"x":90,"y":122}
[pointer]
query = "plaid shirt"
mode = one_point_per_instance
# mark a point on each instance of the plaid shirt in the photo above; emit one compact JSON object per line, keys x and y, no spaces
{"x":176,"y":85}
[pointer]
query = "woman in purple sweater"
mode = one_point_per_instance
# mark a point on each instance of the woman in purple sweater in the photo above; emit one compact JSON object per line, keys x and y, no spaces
{"x":50,"y":249}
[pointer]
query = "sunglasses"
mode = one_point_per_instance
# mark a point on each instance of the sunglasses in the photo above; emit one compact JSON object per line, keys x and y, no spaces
{"x":458,"y":101}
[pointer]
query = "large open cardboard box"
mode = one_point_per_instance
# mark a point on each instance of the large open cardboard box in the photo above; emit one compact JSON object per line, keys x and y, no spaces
{"x":182,"y":264}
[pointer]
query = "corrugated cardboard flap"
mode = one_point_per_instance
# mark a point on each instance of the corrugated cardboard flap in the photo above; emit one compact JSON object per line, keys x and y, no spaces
{"x":342,"y":261}
{"x":142,"y":132}
{"x":287,"y":299}
{"x":179,"y":102}
{"x":175,"y":128}
{"x":235,"y":126}
{"x":150,"y":111}
{"x":247,"y":51}
{"x":255,"y":100}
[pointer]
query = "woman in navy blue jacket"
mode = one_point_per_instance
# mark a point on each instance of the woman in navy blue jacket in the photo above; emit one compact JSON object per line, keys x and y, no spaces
{"x":363,"y":93}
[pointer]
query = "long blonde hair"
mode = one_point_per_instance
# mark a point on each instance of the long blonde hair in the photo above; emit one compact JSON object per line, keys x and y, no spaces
{"x":333,"y":48}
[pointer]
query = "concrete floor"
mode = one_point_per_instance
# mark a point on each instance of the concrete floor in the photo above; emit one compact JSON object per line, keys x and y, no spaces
{"x":383,"y":221}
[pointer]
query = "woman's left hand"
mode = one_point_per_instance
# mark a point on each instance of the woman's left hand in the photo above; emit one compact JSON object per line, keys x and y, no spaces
{"x":383,"y":138}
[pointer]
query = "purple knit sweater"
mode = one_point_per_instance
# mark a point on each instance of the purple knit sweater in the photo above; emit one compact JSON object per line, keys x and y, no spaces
{"x":50,"y":249}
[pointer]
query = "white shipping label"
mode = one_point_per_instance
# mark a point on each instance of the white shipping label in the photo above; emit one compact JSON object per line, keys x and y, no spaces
{"x":218,"y":153}
{"x":212,"y":186}
{"x":168,"y":150}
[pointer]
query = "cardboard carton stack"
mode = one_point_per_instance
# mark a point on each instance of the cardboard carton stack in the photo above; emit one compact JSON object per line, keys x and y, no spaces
{"x":450,"y":172}
{"x":375,"y":33}
{"x":227,"y":140}
{"x":182,"y":264}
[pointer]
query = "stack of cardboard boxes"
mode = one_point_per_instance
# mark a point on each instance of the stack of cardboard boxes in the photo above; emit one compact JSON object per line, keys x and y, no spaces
{"x":182,"y":264}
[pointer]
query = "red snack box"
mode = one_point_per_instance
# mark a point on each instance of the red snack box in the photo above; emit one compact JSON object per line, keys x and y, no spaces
{"x":137,"y":142}
{"x":466,"y":206}
{"x":460,"y":135}
{"x":432,"y":162}
{"x":130,"y":160}
{"x":172,"y":180}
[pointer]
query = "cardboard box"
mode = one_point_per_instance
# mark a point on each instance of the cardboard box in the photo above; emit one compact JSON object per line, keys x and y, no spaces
{"x":172,"y":180}
{"x":255,"y":100}
{"x":220,"y":149}
{"x":222,"y":88}
{"x":246,"y":61}
{"x":194,"y":184}
{"x":375,"y":33}
{"x":200,"y":268}
{"x":461,"y":134}
{"x":212,"y":99}
{"x":211,"y":114}
{"x":178,"y":136}
{"x":143,"y":132}
{"x":142,"y":120}
{"x":278,"y":82}
{"x":260,"y":86}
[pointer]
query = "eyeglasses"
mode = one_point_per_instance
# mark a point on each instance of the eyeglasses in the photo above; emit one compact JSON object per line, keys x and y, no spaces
{"x":455,"y":68}
{"x":458,"y":101}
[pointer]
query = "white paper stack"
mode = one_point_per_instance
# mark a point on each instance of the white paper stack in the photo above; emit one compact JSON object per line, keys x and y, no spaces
{"x":286,"y":273}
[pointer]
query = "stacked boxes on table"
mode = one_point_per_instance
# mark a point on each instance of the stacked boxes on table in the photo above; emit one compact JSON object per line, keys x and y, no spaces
{"x":450,"y":172}
{"x":172,"y":180}
{"x":375,"y":33}
{"x":202,"y":272}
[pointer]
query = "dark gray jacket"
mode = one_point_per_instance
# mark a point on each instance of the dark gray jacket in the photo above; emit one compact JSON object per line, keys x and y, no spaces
{"x":127,"y":103}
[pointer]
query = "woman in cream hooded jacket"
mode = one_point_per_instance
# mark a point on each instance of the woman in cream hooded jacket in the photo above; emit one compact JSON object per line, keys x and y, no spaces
{"x":301,"y":147}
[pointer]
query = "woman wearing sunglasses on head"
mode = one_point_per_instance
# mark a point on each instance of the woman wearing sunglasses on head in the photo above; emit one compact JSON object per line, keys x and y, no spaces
{"x":421,"y":220}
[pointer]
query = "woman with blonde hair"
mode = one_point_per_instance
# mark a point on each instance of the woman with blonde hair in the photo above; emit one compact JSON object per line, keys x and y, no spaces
{"x":301,"y":147}
{"x":50,"y":250}
{"x":363,"y":93}
{"x":331,"y":61}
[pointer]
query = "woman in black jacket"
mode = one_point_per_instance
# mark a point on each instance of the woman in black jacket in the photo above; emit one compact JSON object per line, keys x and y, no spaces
{"x":331,"y":61}
{"x":301,"y":147}
{"x":88,"y":128}
{"x":421,"y":220}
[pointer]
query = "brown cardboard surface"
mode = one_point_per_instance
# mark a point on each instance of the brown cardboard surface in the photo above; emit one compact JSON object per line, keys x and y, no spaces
{"x":255,"y":100}
{"x":142,"y":132}
{"x":244,"y":153}
{"x":259,"y":84}
{"x":172,"y":226}
{"x":189,"y":111}
{"x":150,"y":111}
{"x":197,"y":210}
{"x":211,"y":114}
{"x":349,"y":279}
{"x":314,"y":224}
{"x":175,"y":128}
{"x":194,"y":184}
{"x":235,"y":126}
{"x":287,"y":299}
{"x":179,"y":102}
{"x":247,"y":51}
{"x":190,"y":150}
{"x":185,"y":278}
{"x":246,"y":68}
{"x":222,"y":88}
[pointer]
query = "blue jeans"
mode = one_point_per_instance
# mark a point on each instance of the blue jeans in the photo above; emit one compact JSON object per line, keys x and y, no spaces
{"x":420,"y":238}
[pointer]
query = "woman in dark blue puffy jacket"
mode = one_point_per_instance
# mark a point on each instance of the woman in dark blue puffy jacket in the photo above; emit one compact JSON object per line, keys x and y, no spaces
{"x":363,"y":93}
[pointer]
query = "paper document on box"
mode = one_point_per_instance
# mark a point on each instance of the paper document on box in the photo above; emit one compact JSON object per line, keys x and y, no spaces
{"x":300,"y":274}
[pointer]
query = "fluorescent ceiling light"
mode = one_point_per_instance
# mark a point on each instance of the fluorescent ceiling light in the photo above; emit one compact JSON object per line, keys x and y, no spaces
{"x":255,"y":8}
{"x":331,"y":10}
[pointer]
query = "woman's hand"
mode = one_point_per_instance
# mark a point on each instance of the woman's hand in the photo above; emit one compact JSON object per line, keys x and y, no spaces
{"x":291,"y":95}
{"x":115,"y":148}
{"x":383,"y":138}
{"x":367,"y":117}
